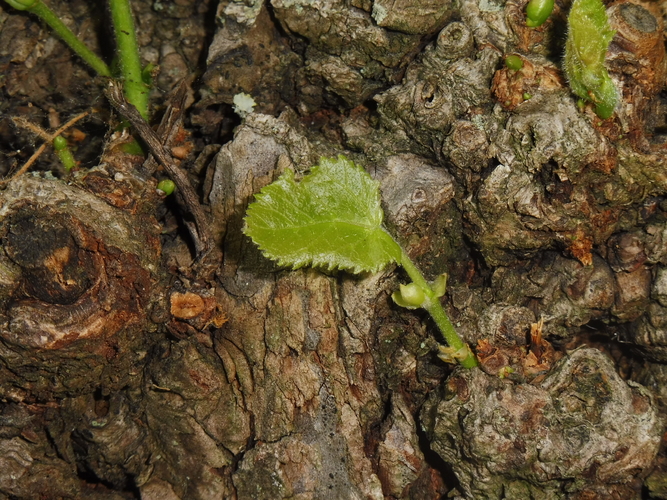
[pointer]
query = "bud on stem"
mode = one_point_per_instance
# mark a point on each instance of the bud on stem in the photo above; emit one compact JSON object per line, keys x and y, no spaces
{"x":410,"y":296}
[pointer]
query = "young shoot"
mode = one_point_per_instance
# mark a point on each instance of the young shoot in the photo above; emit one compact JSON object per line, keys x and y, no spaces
{"x":41,"y":10}
{"x":333,"y":219}
{"x":61,"y":148}
{"x":135,"y":90}
{"x":588,"y":38}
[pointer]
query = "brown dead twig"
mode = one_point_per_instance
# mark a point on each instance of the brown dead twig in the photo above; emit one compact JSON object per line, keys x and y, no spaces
{"x":200,"y":233}
{"x":43,"y":134}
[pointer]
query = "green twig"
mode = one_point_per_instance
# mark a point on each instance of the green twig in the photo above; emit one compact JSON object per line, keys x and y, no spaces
{"x":135,"y":90}
{"x":41,"y":10}
{"x":434,"y":308}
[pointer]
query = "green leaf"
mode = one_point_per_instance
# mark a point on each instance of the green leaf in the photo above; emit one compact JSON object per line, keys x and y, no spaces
{"x":331,"y":219}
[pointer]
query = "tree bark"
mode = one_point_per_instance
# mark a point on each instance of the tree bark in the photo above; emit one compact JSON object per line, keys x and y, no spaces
{"x":130,"y":370}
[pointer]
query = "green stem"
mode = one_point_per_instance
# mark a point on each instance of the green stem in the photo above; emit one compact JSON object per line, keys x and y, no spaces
{"x":64,"y":153}
{"x":134,"y":88}
{"x":435,"y":309}
{"x":42,"y":11}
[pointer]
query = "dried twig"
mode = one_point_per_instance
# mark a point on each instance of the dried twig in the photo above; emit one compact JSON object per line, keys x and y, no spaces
{"x":171,"y":123}
{"x":43,"y":134}
{"x":201,"y":233}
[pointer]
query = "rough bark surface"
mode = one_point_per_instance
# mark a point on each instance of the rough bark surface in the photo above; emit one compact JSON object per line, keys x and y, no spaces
{"x":128,"y":369}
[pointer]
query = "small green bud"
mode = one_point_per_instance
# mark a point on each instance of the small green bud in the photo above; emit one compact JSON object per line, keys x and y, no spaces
{"x":167,"y":186}
{"x":22,"y":4}
{"x":527,"y":96}
{"x":514,"y":62}
{"x":410,"y":296}
{"x":538,"y":11}
{"x":59,"y":143}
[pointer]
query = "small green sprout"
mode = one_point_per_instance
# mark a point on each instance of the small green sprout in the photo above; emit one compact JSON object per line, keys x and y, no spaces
{"x":588,"y":39}
{"x":514,"y":62}
{"x":538,"y":11}
{"x":439,"y":286}
{"x":333,"y":219}
{"x":167,"y":186}
{"x":148,"y":73}
{"x":62,"y":150}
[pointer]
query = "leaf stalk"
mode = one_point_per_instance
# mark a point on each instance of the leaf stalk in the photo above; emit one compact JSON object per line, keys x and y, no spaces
{"x":433,"y":306}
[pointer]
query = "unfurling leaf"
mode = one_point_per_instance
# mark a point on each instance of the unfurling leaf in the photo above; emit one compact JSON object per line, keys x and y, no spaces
{"x":331,"y":219}
{"x":588,"y":39}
